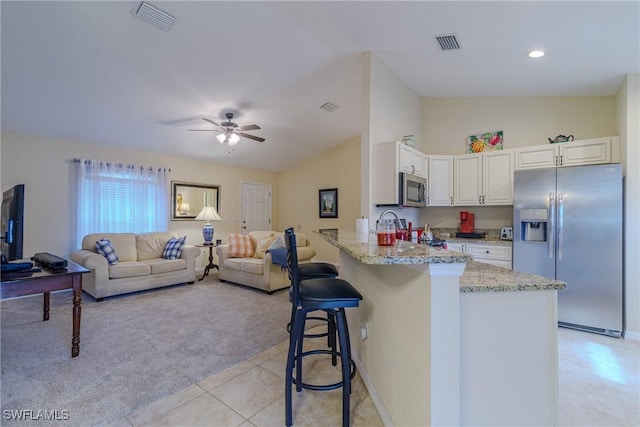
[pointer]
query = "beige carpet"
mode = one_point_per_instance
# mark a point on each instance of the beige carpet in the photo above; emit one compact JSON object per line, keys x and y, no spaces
{"x":134,"y":349}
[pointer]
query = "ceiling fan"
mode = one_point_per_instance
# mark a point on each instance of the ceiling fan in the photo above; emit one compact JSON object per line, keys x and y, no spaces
{"x":230,"y":132}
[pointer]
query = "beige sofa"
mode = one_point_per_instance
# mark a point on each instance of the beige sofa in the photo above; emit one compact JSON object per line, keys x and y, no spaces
{"x":140,"y":264}
{"x":260,"y":273}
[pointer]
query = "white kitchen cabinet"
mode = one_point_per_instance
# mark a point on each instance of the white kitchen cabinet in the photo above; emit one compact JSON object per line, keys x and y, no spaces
{"x":412,"y":161}
{"x":498,"y":255}
{"x":389,"y":159}
{"x":491,"y":254}
{"x":574,"y":153}
{"x":440,"y":182}
{"x":483,"y":179}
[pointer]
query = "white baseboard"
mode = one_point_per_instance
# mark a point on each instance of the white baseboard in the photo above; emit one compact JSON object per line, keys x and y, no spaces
{"x":375,"y":398}
{"x":632,"y":335}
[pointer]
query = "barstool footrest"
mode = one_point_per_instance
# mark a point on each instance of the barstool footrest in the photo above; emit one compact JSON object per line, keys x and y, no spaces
{"x":322,"y":387}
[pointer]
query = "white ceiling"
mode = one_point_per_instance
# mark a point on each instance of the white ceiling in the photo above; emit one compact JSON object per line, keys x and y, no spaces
{"x":93,"y":72}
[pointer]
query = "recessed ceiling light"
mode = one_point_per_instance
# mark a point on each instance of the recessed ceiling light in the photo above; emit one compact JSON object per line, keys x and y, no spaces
{"x":536,"y":54}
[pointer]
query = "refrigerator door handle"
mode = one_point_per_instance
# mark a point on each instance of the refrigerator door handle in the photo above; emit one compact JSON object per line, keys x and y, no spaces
{"x":560,"y":223}
{"x":552,"y":221}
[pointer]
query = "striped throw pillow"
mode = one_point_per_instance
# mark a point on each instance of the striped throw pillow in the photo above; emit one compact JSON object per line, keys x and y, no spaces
{"x":239,"y":246}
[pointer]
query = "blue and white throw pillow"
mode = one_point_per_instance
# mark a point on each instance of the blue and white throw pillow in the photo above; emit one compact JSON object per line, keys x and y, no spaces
{"x":174,"y":248}
{"x":105,"y":248}
{"x":276,"y":244}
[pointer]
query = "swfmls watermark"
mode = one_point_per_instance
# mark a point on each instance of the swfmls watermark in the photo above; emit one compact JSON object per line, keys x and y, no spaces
{"x":35,"y":414}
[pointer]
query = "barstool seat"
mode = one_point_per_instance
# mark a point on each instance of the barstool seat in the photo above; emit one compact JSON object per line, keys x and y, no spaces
{"x":331,"y":295}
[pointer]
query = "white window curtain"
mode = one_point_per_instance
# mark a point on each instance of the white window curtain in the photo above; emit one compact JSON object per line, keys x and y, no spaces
{"x":120,"y":198}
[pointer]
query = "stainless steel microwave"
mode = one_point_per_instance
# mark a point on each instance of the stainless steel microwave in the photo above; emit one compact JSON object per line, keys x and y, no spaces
{"x":413,"y":190}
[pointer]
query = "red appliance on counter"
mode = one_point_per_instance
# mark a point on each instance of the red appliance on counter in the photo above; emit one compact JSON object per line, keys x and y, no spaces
{"x":467,"y":222}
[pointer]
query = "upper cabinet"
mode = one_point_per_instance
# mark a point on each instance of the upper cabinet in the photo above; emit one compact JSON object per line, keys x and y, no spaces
{"x":483,"y":179}
{"x":575,"y":153}
{"x":440,"y":182}
{"x":412,"y":161}
{"x":389,"y":159}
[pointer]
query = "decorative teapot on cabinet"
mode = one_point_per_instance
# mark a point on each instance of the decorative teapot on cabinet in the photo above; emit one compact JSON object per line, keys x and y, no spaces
{"x":560,"y":138}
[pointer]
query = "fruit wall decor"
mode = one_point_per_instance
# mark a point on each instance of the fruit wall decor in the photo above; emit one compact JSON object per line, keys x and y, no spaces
{"x":488,"y":141}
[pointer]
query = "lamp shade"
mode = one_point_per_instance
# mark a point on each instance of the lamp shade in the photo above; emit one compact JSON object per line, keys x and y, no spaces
{"x":208,"y":213}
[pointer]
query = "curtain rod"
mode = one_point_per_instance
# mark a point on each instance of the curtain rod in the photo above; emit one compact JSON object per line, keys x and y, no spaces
{"x":87,"y":161}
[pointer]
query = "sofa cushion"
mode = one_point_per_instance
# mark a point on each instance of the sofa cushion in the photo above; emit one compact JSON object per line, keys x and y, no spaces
{"x":162,"y":265}
{"x":123,"y":243}
{"x":239,"y":246}
{"x":129,"y":269}
{"x":262,"y":245}
{"x":247,"y":265}
{"x":174,"y":248}
{"x":151,"y":245}
{"x":105,"y":248}
{"x":277,"y":243}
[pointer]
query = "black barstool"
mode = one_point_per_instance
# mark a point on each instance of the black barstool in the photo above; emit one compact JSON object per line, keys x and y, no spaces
{"x":318,"y":270}
{"x":331,"y":295}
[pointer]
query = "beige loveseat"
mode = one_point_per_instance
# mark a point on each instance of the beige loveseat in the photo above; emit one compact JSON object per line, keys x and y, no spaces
{"x":140,"y":265}
{"x":259,"y":272}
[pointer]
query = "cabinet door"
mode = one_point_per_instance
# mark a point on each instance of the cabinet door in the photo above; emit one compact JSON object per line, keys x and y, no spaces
{"x":588,"y":152}
{"x":440,"y":180}
{"x":458,"y":247}
{"x":500,"y":256}
{"x":412,"y":161}
{"x":467,"y":182}
{"x":538,"y":156}
{"x":497,"y":178}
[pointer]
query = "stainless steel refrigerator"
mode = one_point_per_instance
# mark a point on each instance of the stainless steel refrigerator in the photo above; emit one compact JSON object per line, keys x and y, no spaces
{"x":568,"y":225}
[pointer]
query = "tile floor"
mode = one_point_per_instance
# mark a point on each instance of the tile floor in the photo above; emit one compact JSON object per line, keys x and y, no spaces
{"x":599,"y":385}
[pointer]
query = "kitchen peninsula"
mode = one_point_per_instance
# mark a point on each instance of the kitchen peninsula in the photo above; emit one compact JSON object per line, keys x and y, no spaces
{"x":442,"y":340}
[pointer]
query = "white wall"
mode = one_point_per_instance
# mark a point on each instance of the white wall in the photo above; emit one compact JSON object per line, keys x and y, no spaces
{"x":45,"y":167}
{"x":391,"y":110}
{"x":628,"y":106}
{"x":298,"y":203}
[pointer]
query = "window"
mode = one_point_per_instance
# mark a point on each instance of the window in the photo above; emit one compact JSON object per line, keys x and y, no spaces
{"x":120,"y":198}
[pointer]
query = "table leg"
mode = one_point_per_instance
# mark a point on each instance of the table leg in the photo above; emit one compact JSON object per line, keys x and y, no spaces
{"x":77,"y":312}
{"x":45,"y":308}
{"x":211,"y":264}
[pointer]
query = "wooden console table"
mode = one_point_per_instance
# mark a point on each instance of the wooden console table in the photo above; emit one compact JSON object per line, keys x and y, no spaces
{"x":45,"y":281}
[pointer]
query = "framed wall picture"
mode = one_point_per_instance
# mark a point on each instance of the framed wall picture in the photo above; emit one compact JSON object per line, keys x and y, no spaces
{"x":328,"y":203}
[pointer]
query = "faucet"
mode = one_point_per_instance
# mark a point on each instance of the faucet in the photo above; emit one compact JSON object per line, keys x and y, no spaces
{"x":388,"y":211}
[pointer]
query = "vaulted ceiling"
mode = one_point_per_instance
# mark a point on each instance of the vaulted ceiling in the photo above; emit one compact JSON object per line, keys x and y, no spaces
{"x":93,"y":72}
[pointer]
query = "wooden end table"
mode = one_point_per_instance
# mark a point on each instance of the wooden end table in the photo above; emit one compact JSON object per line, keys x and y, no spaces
{"x":211,"y":264}
{"x":43,"y":282}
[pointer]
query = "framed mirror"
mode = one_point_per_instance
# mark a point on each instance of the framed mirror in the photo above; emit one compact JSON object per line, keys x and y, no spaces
{"x":189,"y":198}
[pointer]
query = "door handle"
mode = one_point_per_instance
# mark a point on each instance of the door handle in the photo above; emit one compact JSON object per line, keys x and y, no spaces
{"x":552,"y":220}
{"x":560,"y":223}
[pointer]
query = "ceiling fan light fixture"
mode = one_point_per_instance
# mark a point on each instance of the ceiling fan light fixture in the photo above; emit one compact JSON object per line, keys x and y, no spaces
{"x":221,"y":137}
{"x":233,"y":139}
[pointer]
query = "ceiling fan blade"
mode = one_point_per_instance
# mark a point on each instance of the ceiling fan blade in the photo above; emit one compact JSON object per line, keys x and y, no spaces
{"x":255,"y":138}
{"x":203,"y":130}
{"x":210,"y":121}
{"x":248,"y":127}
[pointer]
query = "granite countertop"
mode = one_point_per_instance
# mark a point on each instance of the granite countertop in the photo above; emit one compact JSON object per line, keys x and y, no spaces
{"x":364,"y":247}
{"x":477,"y":276}
{"x":481,"y":277}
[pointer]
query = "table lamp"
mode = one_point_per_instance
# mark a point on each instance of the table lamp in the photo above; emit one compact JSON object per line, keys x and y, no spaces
{"x":208,"y":213}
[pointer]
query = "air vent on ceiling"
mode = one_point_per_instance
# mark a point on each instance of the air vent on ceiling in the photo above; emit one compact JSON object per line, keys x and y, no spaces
{"x":155,"y":16}
{"x":328,"y":107}
{"x":447,"y":41}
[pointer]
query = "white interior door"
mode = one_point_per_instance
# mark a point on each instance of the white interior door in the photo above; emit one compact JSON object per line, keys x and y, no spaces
{"x":256,"y":207}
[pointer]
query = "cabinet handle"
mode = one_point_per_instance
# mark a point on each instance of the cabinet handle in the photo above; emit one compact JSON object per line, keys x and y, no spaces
{"x":561,"y":160}
{"x":486,"y":252}
{"x":556,"y":161}
{"x":413,"y":170}
{"x":451,"y":200}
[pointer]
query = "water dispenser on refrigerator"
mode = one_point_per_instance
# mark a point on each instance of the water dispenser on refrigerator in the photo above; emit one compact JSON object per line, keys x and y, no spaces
{"x":533,"y":225}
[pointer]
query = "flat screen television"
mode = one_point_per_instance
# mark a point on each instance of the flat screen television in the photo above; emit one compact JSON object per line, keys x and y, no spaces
{"x":12,"y":223}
